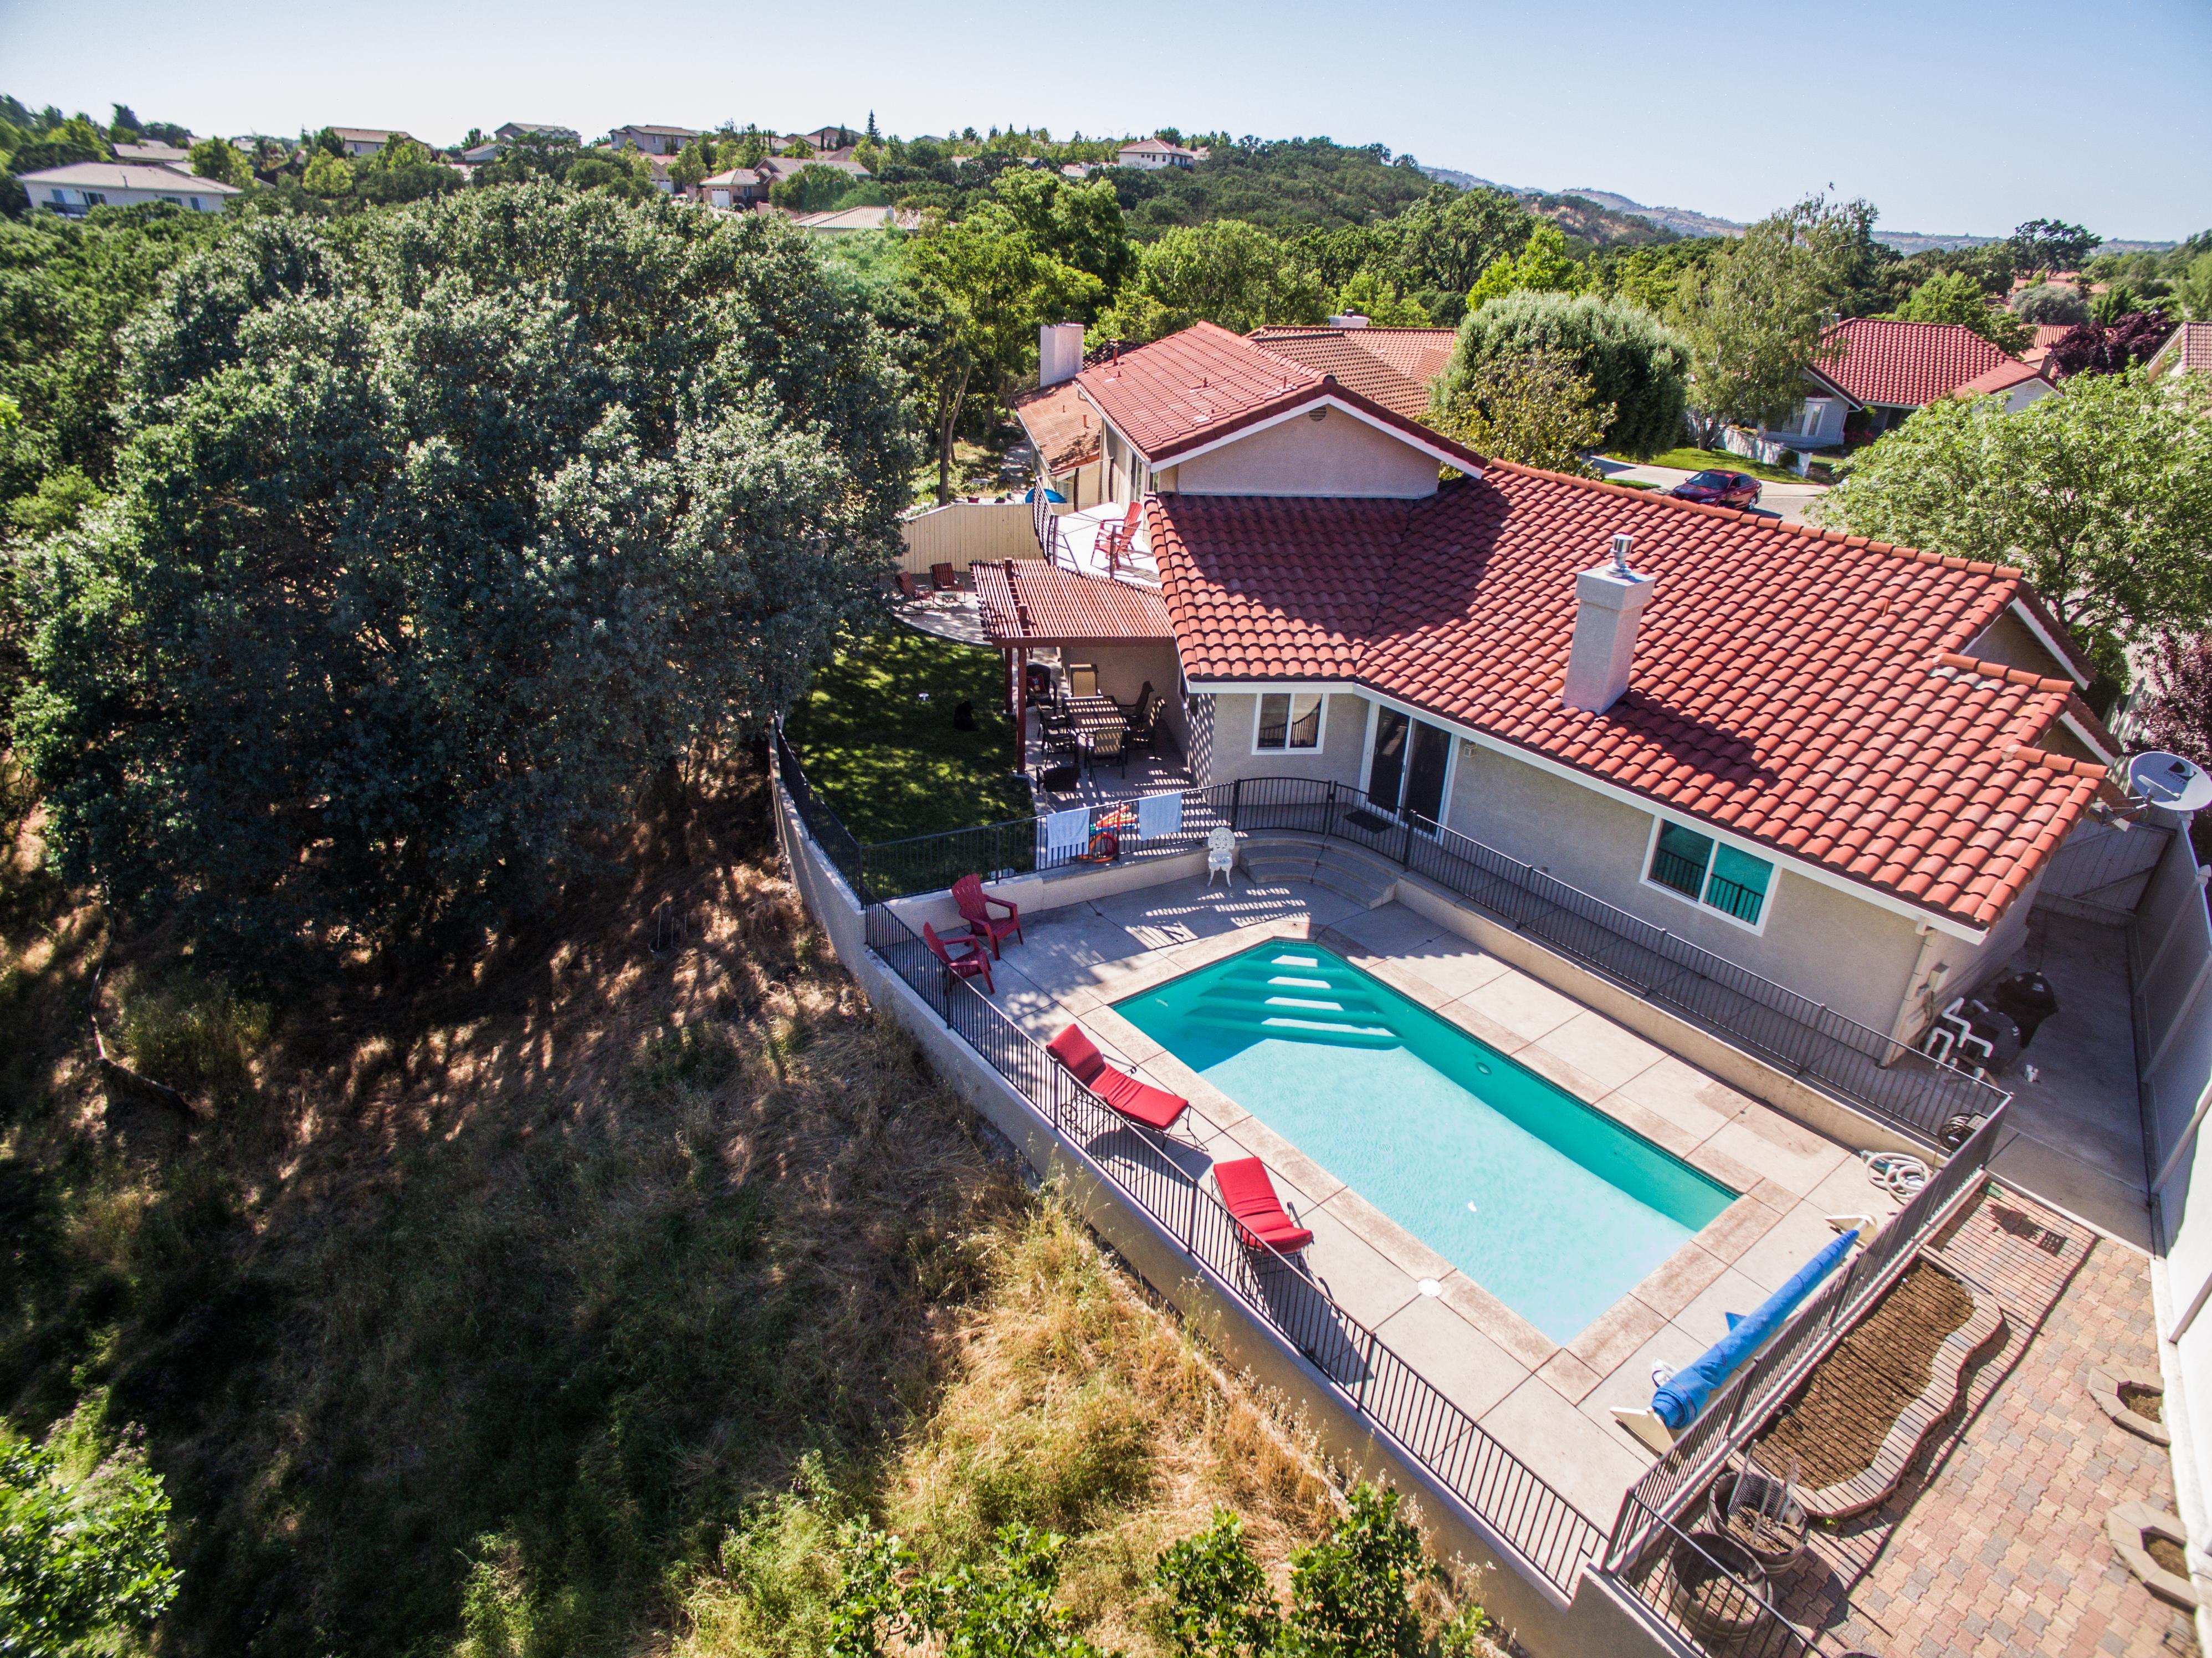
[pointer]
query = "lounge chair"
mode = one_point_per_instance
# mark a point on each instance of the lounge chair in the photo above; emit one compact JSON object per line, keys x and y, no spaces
{"x":1155,"y":1108}
{"x":1115,"y":539}
{"x":975,"y":910}
{"x":906,"y":585}
{"x":1110,"y":743}
{"x":974,"y":964}
{"x":1261,"y":1220}
{"x":942,"y":576}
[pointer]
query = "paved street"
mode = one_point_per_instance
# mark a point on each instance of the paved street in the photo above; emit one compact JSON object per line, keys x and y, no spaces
{"x":1787,"y":501}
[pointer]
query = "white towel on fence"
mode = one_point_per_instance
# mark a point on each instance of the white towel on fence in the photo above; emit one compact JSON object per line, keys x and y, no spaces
{"x":1158,"y":814}
{"x":1065,"y":831}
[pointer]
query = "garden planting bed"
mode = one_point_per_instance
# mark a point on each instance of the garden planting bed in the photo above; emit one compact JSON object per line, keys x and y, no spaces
{"x":1855,"y":1423}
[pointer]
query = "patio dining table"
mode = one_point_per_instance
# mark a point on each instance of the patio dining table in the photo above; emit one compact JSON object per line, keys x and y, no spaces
{"x":1092,"y":714}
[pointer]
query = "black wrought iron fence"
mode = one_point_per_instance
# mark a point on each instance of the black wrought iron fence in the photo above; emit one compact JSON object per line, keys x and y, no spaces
{"x":1734,"y":1418}
{"x":1709,"y":1592}
{"x":1552,"y":1536}
{"x":1808,"y":1039}
{"x":822,"y":824}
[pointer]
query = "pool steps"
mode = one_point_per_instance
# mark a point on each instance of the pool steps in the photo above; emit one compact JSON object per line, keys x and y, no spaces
{"x":1300,"y":998}
{"x":1271,"y":857}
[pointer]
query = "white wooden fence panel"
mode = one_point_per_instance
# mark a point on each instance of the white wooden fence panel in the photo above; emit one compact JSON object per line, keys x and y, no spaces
{"x":964,"y":533}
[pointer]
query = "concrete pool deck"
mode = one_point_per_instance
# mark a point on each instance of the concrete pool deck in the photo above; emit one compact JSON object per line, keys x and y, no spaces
{"x":1550,"y":1404}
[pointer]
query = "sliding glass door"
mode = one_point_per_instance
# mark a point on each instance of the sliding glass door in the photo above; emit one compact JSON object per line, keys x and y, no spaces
{"x":1409,"y":766}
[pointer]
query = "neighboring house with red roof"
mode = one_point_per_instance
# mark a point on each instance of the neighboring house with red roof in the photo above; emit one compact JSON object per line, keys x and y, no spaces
{"x":1155,"y":155}
{"x":1888,"y":369}
{"x":1839,"y":763}
{"x":2187,"y":350}
{"x":2017,"y":383}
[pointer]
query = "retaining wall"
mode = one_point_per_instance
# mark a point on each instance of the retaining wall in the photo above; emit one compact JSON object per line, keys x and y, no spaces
{"x":1596,"y":1623}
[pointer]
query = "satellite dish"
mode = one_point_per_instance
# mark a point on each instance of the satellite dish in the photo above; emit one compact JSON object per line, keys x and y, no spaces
{"x":2168,"y":780}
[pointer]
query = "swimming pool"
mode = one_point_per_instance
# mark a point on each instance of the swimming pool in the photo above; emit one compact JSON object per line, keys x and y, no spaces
{"x":1549,"y":1203}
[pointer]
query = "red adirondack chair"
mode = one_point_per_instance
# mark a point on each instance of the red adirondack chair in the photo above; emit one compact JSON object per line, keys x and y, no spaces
{"x":1140,"y":1102}
{"x":975,"y":910}
{"x":974,"y":964}
{"x":1250,"y":1195}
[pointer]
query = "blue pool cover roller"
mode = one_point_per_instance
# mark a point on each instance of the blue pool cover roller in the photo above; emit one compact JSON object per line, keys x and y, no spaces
{"x":1677,"y":1403}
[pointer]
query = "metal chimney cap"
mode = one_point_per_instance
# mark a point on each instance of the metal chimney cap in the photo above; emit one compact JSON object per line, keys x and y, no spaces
{"x":1621,"y":544}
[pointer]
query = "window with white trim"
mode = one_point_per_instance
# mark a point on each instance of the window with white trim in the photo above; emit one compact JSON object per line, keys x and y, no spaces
{"x":1709,"y":872}
{"x":1289,"y":720}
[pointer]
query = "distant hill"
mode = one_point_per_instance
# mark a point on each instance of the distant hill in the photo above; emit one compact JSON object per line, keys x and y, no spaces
{"x":1591,"y":215}
{"x":1684,"y":222}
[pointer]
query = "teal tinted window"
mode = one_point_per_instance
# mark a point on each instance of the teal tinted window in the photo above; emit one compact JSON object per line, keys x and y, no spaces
{"x":1680,"y":859}
{"x":1739,"y":883}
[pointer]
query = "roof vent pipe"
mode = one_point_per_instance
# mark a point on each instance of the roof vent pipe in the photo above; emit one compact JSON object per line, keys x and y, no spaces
{"x":1059,"y":352}
{"x":1608,"y":600}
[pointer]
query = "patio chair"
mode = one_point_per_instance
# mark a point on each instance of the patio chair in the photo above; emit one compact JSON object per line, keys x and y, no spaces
{"x":1221,"y":855}
{"x":975,"y":909}
{"x":1115,"y":539}
{"x":906,"y":585}
{"x":1145,"y":729}
{"x":1262,"y":1223}
{"x":1056,"y":733}
{"x":1111,"y":743}
{"x":1083,"y":679}
{"x":973,"y":965}
{"x":942,"y":578}
{"x":1155,"y":1108}
{"x":1132,"y":710}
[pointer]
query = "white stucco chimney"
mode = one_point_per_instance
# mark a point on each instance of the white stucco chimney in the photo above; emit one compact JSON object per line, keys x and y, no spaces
{"x":1349,"y":319}
{"x":1608,"y":602}
{"x":1059,"y":352}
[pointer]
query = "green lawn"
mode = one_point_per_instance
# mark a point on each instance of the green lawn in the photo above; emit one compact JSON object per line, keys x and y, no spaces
{"x":890,"y":763}
{"x":1697,"y":460}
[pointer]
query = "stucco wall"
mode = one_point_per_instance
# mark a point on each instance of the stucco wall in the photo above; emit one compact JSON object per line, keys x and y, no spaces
{"x":1818,"y":942}
{"x":1343,"y":742}
{"x":1124,"y":668}
{"x":1336,"y":455}
{"x":2006,"y":639}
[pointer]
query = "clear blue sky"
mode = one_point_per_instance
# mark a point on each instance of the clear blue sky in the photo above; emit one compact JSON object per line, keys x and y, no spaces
{"x":1948,"y":116}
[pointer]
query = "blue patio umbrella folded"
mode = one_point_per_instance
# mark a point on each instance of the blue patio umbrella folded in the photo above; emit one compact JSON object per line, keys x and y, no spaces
{"x":1050,"y":495}
{"x":1678,"y":1402}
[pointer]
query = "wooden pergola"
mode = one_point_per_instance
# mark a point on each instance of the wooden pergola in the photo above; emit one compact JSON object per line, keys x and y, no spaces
{"x":1028,"y":604}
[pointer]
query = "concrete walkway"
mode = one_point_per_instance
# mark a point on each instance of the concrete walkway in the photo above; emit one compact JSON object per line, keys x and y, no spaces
{"x":2075,"y":1138}
{"x":1549,"y":1403}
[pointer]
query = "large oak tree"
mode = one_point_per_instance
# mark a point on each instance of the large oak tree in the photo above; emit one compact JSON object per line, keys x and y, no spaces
{"x":434,"y":540}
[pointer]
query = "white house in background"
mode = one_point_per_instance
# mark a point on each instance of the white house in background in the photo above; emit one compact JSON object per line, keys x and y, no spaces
{"x":154,"y":154}
{"x":1153,"y":155}
{"x":737,"y":189}
{"x":652,"y":140}
{"x":1888,"y":369}
{"x":76,"y":189}
{"x":2019,"y":384}
{"x":1844,"y":766}
{"x":2187,"y":350}
{"x":358,"y":141}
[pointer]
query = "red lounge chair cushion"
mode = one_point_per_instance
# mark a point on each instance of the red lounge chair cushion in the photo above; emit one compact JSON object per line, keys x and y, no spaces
{"x":1250,"y":1195}
{"x":1077,"y":1052}
{"x":1140,"y":1101}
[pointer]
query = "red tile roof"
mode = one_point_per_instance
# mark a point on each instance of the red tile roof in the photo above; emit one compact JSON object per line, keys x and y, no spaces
{"x":1394,"y":367}
{"x":1029,"y":602}
{"x":1904,"y":364}
{"x":1060,"y":425}
{"x":1791,"y":685}
{"x":1204,"y":382}
{"x":2002,"y":378}
{"x":2188,"y":349}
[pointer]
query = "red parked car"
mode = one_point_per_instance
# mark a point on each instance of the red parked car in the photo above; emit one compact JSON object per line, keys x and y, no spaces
{"x":1719,"y":489}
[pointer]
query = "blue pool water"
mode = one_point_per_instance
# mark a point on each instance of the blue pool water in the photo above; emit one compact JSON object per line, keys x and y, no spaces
{"x":1551,"y":1206}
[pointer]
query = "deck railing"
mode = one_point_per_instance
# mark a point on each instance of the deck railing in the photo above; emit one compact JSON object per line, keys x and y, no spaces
{"x":1863,"y":1067}
{"x":1552,"y":1538}
{"x":1732,"y":1419}
{"x":1658,"y":1574}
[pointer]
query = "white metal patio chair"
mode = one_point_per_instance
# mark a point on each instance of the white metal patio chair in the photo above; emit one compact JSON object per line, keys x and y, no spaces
{"x":1221,"y":855}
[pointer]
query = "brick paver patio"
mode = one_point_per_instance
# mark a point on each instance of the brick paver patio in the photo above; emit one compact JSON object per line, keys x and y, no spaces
{"x":1996,"y":1544}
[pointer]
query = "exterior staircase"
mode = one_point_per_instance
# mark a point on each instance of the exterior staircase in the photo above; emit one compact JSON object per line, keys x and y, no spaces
{"x":1273,"y":856}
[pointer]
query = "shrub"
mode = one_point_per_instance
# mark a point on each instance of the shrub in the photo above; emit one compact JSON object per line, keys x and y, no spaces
{"x":2049,"y":303}
{"x":1633,"y":361}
